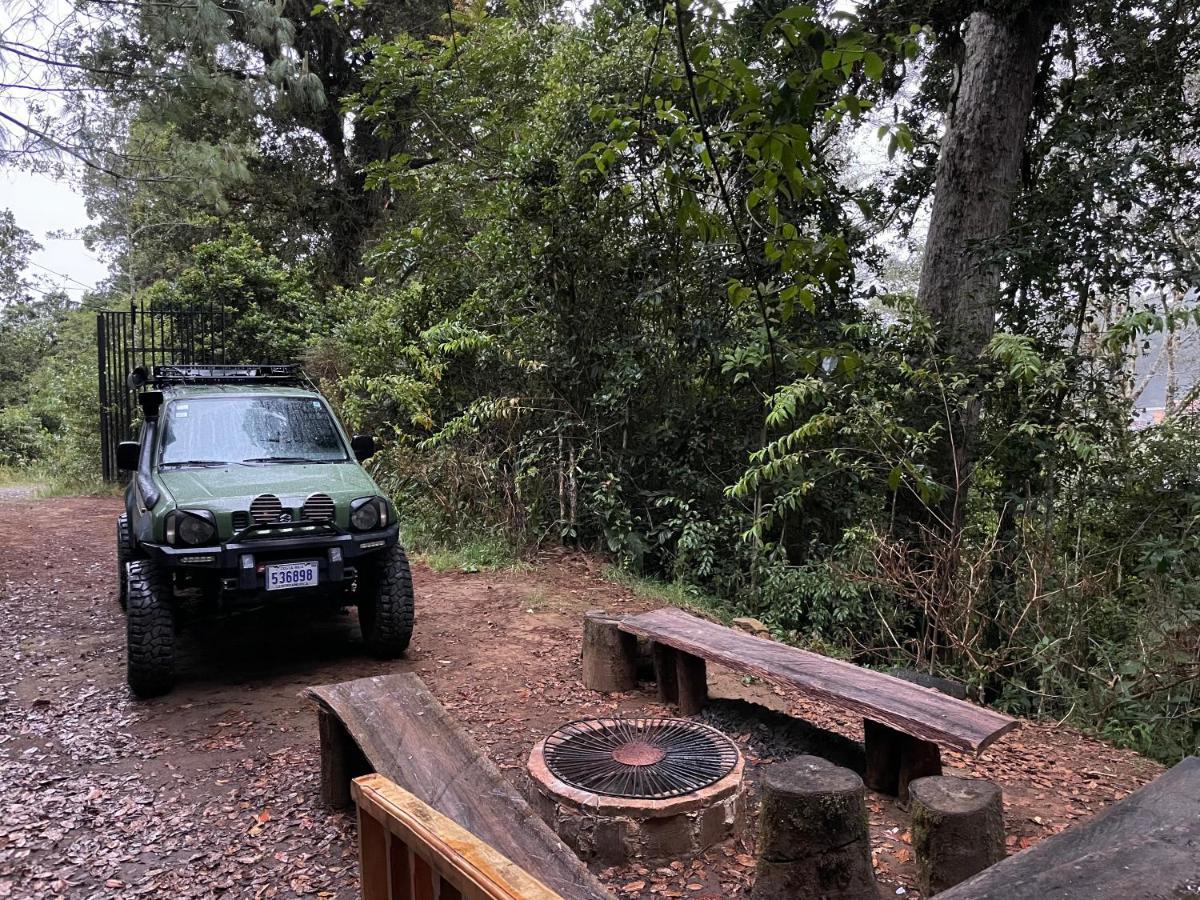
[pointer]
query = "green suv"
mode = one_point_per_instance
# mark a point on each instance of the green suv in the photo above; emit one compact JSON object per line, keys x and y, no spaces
{"x":246,"y":491}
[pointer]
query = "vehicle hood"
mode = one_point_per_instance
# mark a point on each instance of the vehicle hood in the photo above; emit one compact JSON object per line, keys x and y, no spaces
{"x":232,"y":487}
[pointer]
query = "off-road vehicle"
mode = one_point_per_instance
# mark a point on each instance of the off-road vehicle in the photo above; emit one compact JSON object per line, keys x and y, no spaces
{"x":245,"y":491}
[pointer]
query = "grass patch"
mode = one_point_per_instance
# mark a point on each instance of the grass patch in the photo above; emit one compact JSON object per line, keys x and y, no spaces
{"x":468,"y":553}
{"x":10,"y":477}
{"x":71,"y":488}
{"x":672,"y":593}
{"x":44,"y":482}
{"x":471,"y":556}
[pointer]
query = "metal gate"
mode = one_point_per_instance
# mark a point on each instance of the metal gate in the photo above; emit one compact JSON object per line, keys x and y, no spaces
{"x":126,"y":339}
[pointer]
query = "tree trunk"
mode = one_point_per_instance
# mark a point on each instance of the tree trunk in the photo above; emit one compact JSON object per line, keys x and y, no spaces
{"x":978,"y":171}
{"x":978,"y":174}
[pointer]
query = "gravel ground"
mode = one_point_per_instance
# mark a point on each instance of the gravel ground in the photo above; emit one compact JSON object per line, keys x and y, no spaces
{"x":212,"y":790}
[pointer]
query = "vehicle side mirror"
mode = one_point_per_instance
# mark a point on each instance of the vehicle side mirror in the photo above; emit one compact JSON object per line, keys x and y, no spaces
{"x":128,"y":454}
{"x":363,"y":446}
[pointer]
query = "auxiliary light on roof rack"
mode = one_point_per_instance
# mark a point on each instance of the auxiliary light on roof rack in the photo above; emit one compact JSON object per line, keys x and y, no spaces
{"x":257,"y":373}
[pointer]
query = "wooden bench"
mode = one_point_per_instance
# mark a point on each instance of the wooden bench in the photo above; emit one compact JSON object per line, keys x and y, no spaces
{"x":904,"y":723}
{"x":1146,"y":846}
{"x":407,"y":850}
{"x":392,"y":725}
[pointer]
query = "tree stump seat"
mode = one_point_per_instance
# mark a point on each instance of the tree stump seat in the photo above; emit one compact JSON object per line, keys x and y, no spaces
{"x":813,"y":839}
{"x":905,"y":723}
{"x":957,"y":829}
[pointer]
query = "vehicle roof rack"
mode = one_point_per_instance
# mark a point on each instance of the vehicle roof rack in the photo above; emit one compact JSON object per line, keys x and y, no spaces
{"x":256,"y":373}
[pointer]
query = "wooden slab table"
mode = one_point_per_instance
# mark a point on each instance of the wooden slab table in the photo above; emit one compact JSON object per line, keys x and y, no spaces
{"x":392,"y":725}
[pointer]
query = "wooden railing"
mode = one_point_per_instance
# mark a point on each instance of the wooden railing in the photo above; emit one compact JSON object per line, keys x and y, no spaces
{"x":410,"y":851}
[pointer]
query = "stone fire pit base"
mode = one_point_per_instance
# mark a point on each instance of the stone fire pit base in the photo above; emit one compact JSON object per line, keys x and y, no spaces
{"x":614,"y":830}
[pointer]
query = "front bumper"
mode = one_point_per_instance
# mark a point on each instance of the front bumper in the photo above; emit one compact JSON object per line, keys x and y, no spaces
{"x":243,"y":558}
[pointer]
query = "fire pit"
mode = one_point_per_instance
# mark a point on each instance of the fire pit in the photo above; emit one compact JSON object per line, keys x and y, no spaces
{"x":616,"y":789}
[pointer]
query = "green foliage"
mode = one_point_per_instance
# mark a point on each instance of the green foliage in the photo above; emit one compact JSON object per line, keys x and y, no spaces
{"x":269,"y":305}
{"x":622,"y":290}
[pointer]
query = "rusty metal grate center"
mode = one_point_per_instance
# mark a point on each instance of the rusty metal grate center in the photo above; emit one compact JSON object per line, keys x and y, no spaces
{"x":645,"y":759}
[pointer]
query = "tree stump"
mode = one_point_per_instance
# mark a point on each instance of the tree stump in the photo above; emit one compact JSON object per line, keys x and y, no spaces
{"x":812,"y":834}
{"x":666,"y":673}
{"x":691,"y":678}
{"x":957,"y":829}
{"x":609,"y":654}
{"x":895,"y":759}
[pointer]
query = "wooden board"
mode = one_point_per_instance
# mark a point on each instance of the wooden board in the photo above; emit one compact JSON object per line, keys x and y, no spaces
{"x":407,"y":736}
{"x":922,"y":712}
{"x":1146,"y":847}
{"x":458,"y":857}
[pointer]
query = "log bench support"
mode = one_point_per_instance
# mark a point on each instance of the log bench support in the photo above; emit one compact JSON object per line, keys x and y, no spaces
{"x":609,"y":654}
{"x":341,"y":761}
{"x":895,"y":759}
{"x":682,"y":679}
{"x":666,"y":672}
{"x":691,"y":680}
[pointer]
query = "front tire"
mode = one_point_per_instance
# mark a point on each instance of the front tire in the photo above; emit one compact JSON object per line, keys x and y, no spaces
{"x":122,"y":559}
{"x":150,"y":630}
{"x":385,"y":603}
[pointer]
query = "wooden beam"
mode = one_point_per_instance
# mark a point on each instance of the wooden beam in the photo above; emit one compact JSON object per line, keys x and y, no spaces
{"x":440,"y":846}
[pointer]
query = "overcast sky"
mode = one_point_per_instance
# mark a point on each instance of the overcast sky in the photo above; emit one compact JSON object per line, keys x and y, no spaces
{"x":43,"y":206}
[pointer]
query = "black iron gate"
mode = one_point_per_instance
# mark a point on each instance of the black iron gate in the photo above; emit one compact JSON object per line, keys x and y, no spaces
{"x":126,"y":339}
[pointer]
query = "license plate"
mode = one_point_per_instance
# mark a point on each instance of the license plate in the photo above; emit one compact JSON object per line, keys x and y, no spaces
{"x":291,"y":575}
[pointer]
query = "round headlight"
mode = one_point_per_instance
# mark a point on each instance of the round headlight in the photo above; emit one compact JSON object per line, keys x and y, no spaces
{"x":366,"y":516}
{"x":193,"y":530}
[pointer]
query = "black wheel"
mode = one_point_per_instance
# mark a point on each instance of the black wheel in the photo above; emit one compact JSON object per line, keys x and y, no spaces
{"x":122,"y":559}
{"x":385,"y":603}
{"x":149,"y":629}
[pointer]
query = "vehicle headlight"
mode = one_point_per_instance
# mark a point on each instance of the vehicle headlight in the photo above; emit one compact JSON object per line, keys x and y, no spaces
{"x":367,"y":513}
{"x":190,"y":527}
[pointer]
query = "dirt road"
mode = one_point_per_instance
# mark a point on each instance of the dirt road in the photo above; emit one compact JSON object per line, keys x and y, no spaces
{"x":212,"y":790}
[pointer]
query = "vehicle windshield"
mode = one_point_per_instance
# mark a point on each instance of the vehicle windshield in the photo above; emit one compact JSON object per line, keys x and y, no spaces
{"x":210,"y":431}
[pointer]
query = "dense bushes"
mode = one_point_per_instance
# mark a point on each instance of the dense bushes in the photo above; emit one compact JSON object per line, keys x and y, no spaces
{"x":621,"y":295}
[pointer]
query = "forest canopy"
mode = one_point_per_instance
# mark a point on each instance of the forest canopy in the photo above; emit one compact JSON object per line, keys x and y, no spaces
{"x":834,"y":314}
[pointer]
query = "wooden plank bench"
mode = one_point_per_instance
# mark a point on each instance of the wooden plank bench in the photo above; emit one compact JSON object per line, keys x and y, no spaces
{"x":392,"y":725}
{"x":1146,"y":847}
{"x":904,"y":723}
{"x":407,"y":850}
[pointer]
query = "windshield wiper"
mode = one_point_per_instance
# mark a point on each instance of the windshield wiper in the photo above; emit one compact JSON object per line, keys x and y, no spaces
{"x":288,"y":459}
{"x":193,"y":462}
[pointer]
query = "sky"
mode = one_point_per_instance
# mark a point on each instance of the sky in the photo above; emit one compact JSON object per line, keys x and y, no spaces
{"x":44,"y":206}
{"x":41,"y":204}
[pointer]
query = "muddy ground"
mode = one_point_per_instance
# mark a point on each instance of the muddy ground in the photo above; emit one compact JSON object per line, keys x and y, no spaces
{"x":212,"y":790}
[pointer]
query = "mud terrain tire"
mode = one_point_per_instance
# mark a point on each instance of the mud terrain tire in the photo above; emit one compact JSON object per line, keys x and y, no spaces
{"x":150,"y":630}
{"x":385,"y":604}
{"x":123,"y":557}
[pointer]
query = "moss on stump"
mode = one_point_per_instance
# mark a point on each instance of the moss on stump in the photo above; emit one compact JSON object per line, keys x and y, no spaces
{"x":812,"y":835}
{"x":957,"y":829}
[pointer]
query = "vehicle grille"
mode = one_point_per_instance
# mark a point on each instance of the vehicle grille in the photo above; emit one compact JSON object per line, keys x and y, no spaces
{"x":265,"y":509}
{"x":318,"y":508}
{"x":241,"y":519}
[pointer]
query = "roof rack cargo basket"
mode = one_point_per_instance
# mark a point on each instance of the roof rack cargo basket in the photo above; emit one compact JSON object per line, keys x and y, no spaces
{"x":258,"y":373}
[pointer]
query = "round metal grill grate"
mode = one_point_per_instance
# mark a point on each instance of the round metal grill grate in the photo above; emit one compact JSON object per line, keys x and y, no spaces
{"x":647,"y":759}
